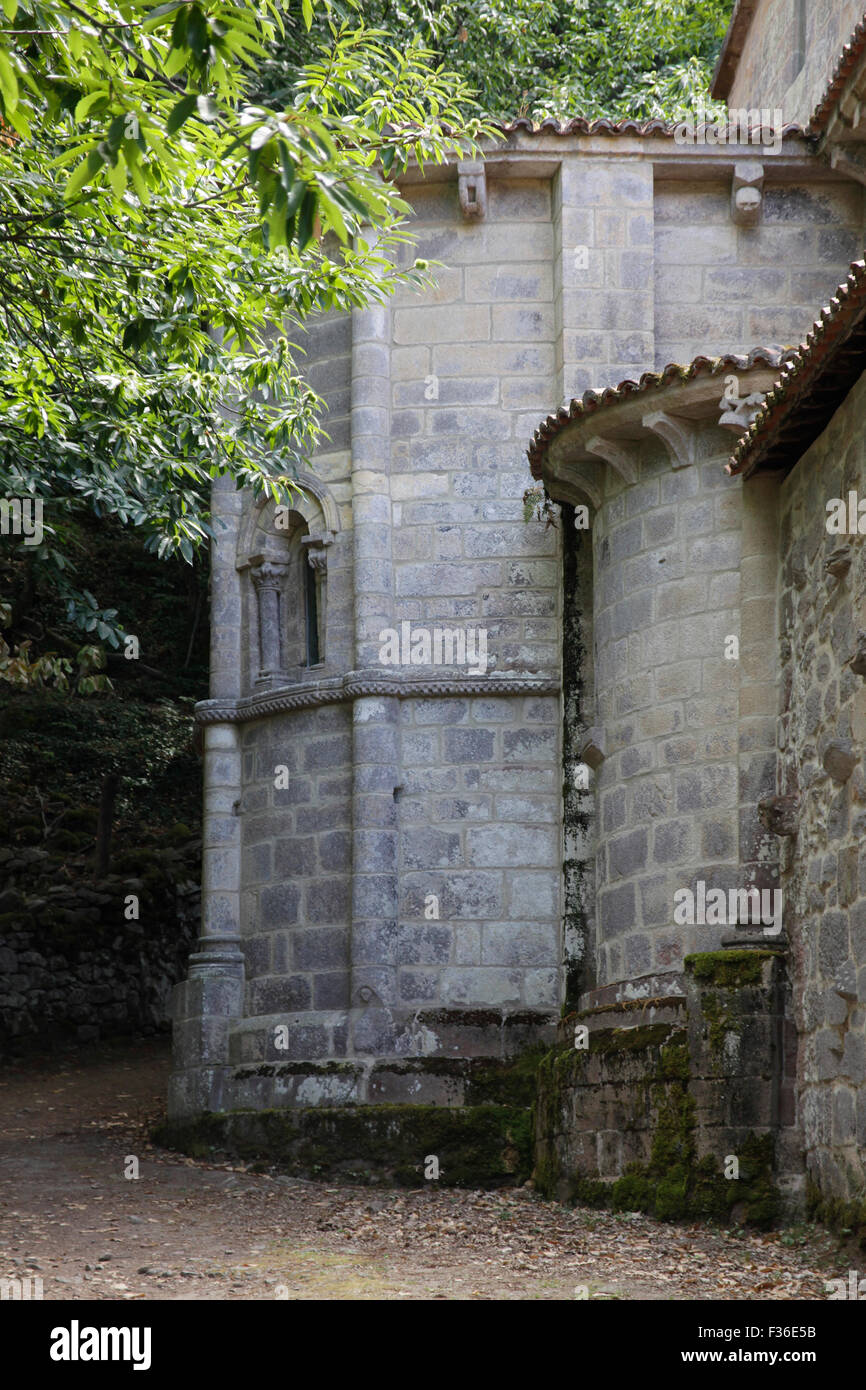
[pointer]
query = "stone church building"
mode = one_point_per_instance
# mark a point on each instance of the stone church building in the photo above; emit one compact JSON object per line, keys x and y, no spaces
{"x":551,"y":828}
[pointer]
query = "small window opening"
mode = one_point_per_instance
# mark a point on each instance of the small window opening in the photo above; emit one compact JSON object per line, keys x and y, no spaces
{"x":311,"y":610}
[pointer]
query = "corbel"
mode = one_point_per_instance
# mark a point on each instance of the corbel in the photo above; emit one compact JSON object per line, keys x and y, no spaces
{"x":747,"y":194}
{"x":590,"y":748}
{"x":739,"y":414}
{"x":472,"y":188}
{"x":316,"y":551}
{"x":678,"y":436}
{"x":620,"y":457}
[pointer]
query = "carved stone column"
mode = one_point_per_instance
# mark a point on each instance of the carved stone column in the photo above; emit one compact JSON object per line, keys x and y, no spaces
{"x":268,"y":577}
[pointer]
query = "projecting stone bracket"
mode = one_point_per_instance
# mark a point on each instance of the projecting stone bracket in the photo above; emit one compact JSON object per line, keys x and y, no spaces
{"x":590,"y":749}
{"x":315,"y":548}
{"x":846,"y":161}
{"x":621,"y":457}
{"x":780,"y":814}
{"x":472,"y":188}
{"x":680,"y":437}
{"x":747,"y":194}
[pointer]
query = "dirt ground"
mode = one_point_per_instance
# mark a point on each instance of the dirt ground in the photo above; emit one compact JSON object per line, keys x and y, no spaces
{"x":188,"y":1230}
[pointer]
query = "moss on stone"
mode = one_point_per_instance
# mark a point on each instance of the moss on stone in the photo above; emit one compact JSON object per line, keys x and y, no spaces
{"x":576,"y":801}
{"x":512,"y":1083}
{"x":630,"y":1039}
{"x":730,"y":969}
{"x":476,"y":1146}
{"x":719,"y":1022}
{"x":846,"y":1218}
{"x":674,"y":1184}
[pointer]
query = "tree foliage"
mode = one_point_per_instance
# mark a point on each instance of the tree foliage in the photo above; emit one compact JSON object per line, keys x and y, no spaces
{"x":537,"y":58}
{"x":161,"y":219}
{"x":182,"y":182}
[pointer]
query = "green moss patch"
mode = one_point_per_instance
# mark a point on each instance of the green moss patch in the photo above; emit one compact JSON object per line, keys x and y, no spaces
{"x":476,"y":1146}
{"x":730,"y":969}
{"x":846,"y":1218}
{"x":674,"y":1185}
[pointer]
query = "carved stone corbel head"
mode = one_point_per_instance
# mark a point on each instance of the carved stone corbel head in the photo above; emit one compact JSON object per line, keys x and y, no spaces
{"x":315,"y":548}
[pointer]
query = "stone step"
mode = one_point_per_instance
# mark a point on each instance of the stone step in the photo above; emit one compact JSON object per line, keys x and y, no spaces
{"x":630,"y":1013}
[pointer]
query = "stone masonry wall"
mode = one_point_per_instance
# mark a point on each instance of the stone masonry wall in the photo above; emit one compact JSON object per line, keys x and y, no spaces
{"x":337,"y":875}
{"x":479,"y":818}
{"x":72,"y":966}
{"x":296,"y":859}
{"x":822,"y":737}
{"x":472,"y":362}
{"x":666,"y":597}
{"x":721,"y":288}
{"x":646,"y":1110}
{"x":768,"y":74}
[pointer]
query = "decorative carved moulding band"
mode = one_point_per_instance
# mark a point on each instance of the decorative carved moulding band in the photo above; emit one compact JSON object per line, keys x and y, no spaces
{"x":359,"y":684}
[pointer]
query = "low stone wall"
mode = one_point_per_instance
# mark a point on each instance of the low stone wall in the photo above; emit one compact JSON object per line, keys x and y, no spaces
{"x":478,"y":1146}
{"x":679,"y":1105}
{"x":479,"y":1134}
{"x":73,"y":966}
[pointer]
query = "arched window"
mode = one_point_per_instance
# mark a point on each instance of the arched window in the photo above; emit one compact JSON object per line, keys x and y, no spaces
{"x":283,"y":552}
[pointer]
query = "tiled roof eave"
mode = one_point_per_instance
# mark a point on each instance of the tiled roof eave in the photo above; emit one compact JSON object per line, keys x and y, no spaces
{"x":674,"y":373}
{"x":583,"y":125}
{"x":851,"y":57}
{"x":811,"y":385}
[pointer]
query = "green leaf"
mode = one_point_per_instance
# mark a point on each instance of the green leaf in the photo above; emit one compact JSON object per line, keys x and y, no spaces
{"x":162,"y":10}
{"x":87,"y":102}
{"x":176,"y":60}
{"x":306,"y":218}
{"x":294,"y":199}
{"x":179,"y":113}
{"x":80,"y":176}
{"x":10,"y":8}
{"x":307,"y":7}
{"x":8,"y":83}
{"x":260,"y":137}
{"x":117,"y":176}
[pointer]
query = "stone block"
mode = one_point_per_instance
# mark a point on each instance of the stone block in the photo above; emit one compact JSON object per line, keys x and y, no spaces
{"x":468,"y":745}
{"x":320,"y":948}
{"x":519,"y":944}
{"x":279,"y":995}
{"x":423,"y":943}
{"x":279,"y":905}
{"x":327,"y":901}
{"x":511,"y":846}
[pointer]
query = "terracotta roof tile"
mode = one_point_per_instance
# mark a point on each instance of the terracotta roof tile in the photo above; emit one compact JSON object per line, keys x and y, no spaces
{"x":852,"y":53}
{"x":591,"y":401}
{"x":811,"y":385}
{"x":582,"y":125}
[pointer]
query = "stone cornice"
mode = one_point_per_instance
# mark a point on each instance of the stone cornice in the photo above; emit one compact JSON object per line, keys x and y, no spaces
{"x":358,"y":685}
